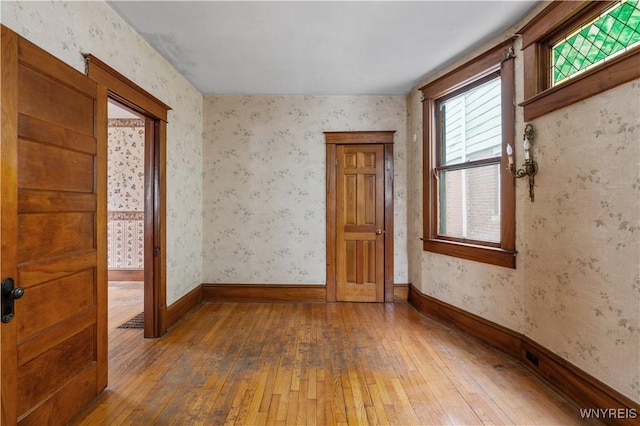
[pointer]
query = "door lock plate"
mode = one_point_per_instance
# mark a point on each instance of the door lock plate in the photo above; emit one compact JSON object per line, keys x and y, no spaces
{"x":10,"y":293}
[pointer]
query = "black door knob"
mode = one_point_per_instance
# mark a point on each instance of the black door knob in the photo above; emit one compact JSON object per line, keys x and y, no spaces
{"x":17,"y":293}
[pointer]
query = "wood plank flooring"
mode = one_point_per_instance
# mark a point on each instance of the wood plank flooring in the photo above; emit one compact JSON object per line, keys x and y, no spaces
{"x":126,"y":300}
{"x":317,"y":364}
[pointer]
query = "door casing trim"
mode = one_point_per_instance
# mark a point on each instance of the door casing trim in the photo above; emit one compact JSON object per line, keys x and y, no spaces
{"x":333,"y":139}
{"x":131,"y":95}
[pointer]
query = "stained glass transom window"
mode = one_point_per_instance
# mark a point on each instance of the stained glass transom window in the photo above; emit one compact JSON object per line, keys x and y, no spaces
{"x":614,"y":31}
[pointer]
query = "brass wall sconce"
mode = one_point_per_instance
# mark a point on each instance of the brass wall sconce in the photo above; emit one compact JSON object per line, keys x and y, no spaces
{"x":529,"y":167}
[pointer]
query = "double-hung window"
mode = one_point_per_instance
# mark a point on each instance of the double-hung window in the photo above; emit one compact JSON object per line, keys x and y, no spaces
{"x":468,"y":192}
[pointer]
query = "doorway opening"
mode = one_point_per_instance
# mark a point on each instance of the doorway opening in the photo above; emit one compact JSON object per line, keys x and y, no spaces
{"x":125,"y":216}
{"x":116,"y":87}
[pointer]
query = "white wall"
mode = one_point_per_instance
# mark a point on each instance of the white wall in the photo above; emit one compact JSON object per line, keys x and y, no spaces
{"x":68,"y":29}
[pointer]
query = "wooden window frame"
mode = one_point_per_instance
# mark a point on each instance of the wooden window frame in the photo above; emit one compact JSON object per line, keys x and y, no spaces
{"x":499,"y":58}
{"x":550,"y":25}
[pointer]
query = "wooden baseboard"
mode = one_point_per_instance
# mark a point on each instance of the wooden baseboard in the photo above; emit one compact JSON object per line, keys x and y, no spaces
{"x":263,"y":293}
{"x":257,"y":293}
{"x":495,"y":335}
{"x":126,"y":275}
{"x":182,"y":306}
{"x":400,"y":292}
{"x":575,"y":384}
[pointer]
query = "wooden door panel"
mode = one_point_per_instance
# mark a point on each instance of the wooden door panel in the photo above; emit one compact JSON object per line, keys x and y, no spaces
{"x":37,"y":379}
{"x":369,"y":201}
{"x":38,"y":130}
{"x":360,"y":262}
{"x":55,"y":301}
{"x":350,"y":264}
{"x":48,"y":235}
{"x":32,"y":347}
{"x":54,"y":201}
{"x":53,"y":362}
{"x":69,"y":401}
{"x":368,"y":259}
{"x":35,"y":273}
{"x":55,"y":101}
{"x":360,"y":221}
{"x":368,"y":160}
{"x":49,"y":167}
{"x":350,"y":201}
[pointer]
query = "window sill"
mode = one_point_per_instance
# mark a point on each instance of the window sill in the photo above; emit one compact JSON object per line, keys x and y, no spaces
{"x":491,"y":255}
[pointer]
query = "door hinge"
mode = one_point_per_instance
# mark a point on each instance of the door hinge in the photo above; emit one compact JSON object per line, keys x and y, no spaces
{"x":156,"y":250}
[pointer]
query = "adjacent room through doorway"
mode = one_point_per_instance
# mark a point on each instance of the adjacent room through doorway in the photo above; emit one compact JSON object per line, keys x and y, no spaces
{"x":126,"y":153}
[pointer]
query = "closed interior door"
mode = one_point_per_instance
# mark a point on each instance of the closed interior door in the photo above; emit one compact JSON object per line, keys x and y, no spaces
{"x":53,"y":235}
{"x":360,"y":223}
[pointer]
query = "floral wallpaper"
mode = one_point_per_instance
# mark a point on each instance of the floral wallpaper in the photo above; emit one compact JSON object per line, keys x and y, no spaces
{"x":576,"y":289}
{"x":67,"y":29}
{"x":245,"y":202}
{"x":583,"y":237}
{"x":125,"y":193}
{"x":125,"y":235}
{"x":126,"y":165}
{"x":264,"y":183}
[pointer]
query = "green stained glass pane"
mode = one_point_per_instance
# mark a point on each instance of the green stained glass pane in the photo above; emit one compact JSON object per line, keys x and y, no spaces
{"x":607,"y":23}
{"x":565,"y":49}
{"x":585,"y":47}
{"x":566,"y":68}
{"x":618,"y":47}
{"x":607,"y":47}
{"x":616,"y":30}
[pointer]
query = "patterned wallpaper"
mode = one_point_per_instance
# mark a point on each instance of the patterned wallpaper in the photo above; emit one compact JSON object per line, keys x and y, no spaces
{"x":264,"y":179}
{"x":126,"y":165}
{"x":582,"y":236}
{"x":576,"y":289}
{"x":125,"y":195}
{"x":68,"y":29}
{"x":125,"y":235}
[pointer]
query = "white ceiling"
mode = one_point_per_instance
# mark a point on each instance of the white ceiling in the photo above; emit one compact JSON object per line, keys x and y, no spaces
{"x":315,"y":47}
{"x":116,"y":110}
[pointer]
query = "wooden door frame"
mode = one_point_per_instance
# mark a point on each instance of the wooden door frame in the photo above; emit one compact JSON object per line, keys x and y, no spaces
{"x":124,"y":91}
{"x":333,"y":139}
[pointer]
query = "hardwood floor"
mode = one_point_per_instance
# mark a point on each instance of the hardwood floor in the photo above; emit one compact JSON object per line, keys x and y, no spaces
{"x":296,"y":363}
{"x":126,"y":300}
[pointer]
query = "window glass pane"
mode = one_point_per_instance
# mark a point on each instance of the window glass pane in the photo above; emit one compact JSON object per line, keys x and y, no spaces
{"x":615,"y":31}
{"x":472,"y":124}
{"x":470,"y":203}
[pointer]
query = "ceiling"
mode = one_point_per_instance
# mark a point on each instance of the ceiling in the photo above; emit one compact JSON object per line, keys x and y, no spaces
{"x":315,"y":47}
{"x":116,"y":110}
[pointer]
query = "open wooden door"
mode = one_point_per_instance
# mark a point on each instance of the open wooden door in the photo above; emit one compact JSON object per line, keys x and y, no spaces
{"x":53,"y":233}
{"x":360,"y":223}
